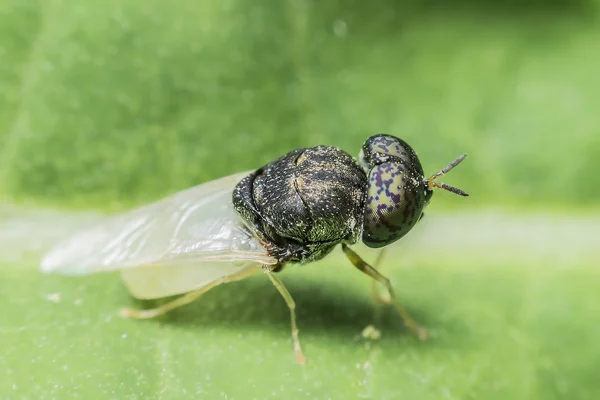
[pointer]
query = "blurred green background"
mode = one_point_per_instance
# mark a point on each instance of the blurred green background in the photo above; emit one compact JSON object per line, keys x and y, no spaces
{"x":121,"y":101}
{"x":106,"y":105}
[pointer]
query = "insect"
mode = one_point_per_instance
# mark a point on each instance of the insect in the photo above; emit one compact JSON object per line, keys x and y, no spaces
{"x":294,"y":210}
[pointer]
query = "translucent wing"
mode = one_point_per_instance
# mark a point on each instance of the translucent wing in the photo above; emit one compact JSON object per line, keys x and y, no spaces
{"x":186,"y":241}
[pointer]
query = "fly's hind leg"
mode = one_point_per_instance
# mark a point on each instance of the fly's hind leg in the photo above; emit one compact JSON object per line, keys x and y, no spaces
{"x":300,"y":359}
{"x":185,"y":299}
{"x":372,"y":272}
{"x":165,"y":308}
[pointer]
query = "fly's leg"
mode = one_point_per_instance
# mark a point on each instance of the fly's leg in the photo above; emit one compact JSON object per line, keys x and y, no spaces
{"x":381,"y":298}
{"x":165,"y":308}
{"x":300,"y":359}
{"x":185,"y":299}
{"x":372,"y":272}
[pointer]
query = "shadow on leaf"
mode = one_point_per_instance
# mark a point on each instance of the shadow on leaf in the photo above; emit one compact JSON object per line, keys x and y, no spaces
{"x":320,"y":306}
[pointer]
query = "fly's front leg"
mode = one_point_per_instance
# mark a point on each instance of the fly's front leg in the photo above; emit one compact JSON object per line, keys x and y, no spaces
{"x":372,"y":272}
{"x":381,"y":298}
{"x":300,"y":359}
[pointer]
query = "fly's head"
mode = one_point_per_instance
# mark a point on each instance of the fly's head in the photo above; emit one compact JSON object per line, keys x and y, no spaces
{"x":397,"y":191}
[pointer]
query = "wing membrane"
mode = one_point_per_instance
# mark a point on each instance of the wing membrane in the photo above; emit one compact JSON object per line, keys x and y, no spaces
{"x":152,"y":282}
{"x":195,"y":228}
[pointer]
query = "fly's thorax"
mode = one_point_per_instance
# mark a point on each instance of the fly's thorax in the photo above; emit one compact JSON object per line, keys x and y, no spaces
{"x":396,"y":193}
{"x":305,"y":202}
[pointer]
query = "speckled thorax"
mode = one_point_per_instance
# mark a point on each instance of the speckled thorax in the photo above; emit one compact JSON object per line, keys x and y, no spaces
{"x":305,"y":203}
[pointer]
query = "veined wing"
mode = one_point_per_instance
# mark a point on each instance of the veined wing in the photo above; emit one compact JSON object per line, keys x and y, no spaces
{"x":195,"y":229}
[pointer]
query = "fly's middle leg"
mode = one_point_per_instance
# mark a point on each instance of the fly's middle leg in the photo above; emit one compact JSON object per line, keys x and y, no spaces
{"x":300,"y":359}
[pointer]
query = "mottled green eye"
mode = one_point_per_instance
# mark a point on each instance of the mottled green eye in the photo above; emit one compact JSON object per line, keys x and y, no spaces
{"x":379,"y":147}
{"x":397,"y":191}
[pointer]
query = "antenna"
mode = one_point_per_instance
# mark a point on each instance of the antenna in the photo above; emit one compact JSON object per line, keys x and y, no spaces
{"x":431,"y":183}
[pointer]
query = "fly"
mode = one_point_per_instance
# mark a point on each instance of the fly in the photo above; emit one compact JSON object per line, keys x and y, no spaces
{"x":294,"y":210}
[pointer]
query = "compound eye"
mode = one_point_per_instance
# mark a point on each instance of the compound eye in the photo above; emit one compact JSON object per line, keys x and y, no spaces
{"x":398,"y":190}
{"x":395,"y":202}
{"x":384,"y":148}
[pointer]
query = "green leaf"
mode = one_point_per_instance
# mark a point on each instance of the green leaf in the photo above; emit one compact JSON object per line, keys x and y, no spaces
{"x":113,"y":103}
{"x":503,"y":325}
